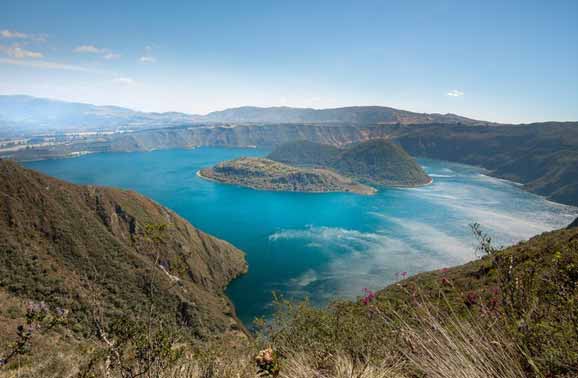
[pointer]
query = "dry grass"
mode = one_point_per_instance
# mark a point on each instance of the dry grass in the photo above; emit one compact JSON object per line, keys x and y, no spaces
{"x":448,"y":347}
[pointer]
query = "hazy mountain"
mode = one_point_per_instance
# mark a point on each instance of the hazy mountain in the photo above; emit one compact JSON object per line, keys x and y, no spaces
{"x":21,"y":115}
{"x":24,"y":115}
{"x":352,"y":114}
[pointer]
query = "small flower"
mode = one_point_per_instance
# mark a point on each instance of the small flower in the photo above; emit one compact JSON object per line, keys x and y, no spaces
{"x":471,"y":298}
{"x":61,"y":312}
{"x":368,"y":296}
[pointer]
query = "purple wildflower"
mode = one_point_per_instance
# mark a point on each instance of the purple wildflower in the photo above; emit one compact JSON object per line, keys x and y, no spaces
{"x":368,"y":296}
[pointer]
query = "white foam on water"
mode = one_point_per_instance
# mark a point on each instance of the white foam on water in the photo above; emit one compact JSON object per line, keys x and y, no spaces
{"x":356,"y":260}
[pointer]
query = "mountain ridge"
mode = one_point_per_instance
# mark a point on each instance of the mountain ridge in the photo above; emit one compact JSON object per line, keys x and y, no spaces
{"x":348,"y":114}
{"x":24,"y":114}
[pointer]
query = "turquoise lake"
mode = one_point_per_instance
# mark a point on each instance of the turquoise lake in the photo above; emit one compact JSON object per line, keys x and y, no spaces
{"x":325,"y":246}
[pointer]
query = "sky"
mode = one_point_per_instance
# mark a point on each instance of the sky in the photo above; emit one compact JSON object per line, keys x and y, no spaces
{"x":504,"y":61}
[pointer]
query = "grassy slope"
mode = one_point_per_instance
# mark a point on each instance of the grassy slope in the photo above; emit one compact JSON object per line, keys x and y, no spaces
{"x":531,"y":288}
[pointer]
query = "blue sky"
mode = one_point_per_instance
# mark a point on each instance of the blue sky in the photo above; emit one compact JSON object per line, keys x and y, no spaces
{"x":509,"y":61}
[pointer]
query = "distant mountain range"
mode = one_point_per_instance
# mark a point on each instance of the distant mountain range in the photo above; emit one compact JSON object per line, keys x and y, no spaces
{"x":24,"y":115}
{"x":353,"y":114}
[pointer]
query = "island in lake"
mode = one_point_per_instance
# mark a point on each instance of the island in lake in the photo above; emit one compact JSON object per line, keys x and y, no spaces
{"x":266,"y":174}
{"x":304,"y":166}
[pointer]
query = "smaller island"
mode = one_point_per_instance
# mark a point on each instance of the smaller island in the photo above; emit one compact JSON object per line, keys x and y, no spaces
{"x":266,"y":174}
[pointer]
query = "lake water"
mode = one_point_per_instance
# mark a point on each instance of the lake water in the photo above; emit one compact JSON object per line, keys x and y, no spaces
{"x":325,"y":246}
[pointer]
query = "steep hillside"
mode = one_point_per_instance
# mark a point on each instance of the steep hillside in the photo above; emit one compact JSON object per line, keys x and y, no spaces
{"x":93,"y":249}
{"x":265,"y":174}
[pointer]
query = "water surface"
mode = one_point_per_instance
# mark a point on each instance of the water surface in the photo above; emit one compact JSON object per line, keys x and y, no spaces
{"x":325,"y":245}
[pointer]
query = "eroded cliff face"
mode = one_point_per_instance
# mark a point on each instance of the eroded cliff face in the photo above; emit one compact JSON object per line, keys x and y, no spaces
{"x":85,"y":248}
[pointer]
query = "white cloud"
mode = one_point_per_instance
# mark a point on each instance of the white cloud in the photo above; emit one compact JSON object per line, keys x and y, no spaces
{"x":18,"y":52}
{"x":13,"y":34}
{"x":147,"y":59}
{"x":124,"y":81}
{"x":455,"y":93}
{"x":111,"y":56}
{"x":90,"y":49}
{"x":42,"y":64}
